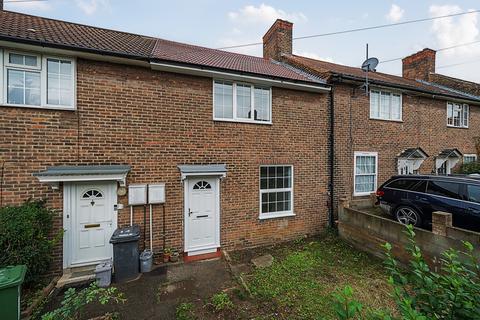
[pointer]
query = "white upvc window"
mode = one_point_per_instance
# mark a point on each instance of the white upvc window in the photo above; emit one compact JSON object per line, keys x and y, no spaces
{"x":276,"y":191}
{"x":365,"y":173}
{"x":457,"y":115}
{"x":241,"y":102}
{"x":469,"y":158}
{"x":36,"y":81}
{"x":385,"y":105}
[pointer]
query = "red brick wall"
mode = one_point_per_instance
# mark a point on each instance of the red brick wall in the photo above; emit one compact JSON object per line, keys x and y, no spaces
{"x":155,"y":121}
{"x":424,"y":125}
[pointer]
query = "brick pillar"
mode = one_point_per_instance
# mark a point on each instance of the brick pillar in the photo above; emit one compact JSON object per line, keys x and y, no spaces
{"x":342,"y":204}
{"x":440,"y":222}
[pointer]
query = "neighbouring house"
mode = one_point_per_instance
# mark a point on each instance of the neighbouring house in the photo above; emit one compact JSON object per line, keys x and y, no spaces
{"x":412,"y":124}
{"x":239,"y":143}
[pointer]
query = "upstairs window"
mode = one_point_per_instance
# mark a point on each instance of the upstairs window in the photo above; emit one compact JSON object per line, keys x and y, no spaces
{"x":385,"y":105}
{"x":32,"y":80}
{"x":457,"y":115}
{"x":241,"y":102}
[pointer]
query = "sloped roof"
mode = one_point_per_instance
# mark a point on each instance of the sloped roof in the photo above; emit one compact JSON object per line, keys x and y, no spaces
{"x":19,"y":27}
{"x":326,"y":70}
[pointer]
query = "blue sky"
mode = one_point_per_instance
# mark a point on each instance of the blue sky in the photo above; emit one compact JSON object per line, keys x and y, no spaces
{"x":223,"y":23}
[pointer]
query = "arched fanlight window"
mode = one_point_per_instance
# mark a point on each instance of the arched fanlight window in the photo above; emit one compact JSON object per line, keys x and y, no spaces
{"x":92,"y":194}
{"x":202,"y":185}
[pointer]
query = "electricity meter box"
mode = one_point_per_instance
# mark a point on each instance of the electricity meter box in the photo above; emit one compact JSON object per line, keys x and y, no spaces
{"x":156,"y":193}
{"x":137,"y":194}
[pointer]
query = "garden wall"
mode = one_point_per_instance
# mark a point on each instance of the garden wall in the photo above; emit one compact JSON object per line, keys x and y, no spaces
{"x":368,"y":232}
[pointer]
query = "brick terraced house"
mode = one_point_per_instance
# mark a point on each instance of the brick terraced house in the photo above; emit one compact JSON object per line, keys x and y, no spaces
{"x":87,"y":113}
{"x":422,"y":122}
{"x":230,"y":150}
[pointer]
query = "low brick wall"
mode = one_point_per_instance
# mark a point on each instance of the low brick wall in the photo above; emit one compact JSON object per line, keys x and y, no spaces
{"x":368,"y":232}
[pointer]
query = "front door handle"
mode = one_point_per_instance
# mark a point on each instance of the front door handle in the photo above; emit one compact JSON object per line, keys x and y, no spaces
{"x":189,"y":212}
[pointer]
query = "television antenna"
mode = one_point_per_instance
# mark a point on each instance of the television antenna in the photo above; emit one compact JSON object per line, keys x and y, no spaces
{"x":368,"y":65}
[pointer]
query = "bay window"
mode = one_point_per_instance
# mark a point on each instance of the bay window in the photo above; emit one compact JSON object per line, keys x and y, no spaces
{"x":33,"y":80}
{"x":241,"y":102}
{"x":276,"y":191}
{"x":385,"y":105}
{"x":457,"y":115}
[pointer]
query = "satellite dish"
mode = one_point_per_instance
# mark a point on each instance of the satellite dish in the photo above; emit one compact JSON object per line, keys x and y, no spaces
{"x":370,"y":64}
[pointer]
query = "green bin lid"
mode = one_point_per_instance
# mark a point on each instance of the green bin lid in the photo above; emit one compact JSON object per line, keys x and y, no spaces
{"x":12,"y":276}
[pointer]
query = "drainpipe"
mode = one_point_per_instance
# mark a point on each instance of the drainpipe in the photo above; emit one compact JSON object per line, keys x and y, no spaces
{"x":331,"y":154}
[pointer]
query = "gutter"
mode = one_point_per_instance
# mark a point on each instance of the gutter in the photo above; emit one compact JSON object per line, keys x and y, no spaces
{"x":331,"y":154}
{"x":341,"y":78}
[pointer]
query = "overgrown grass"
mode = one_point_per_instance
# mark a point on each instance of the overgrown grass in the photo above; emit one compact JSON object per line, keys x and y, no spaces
{"x":303,"y":277}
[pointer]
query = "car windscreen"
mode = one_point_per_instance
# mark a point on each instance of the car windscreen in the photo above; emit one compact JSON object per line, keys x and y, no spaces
{"x":444,"y":189}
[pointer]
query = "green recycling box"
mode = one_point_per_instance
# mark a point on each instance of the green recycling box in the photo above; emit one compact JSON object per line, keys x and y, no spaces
{"x":11,"y":279}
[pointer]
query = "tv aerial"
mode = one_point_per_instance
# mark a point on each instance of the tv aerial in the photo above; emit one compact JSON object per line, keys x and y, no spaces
{"x":368,"y":65}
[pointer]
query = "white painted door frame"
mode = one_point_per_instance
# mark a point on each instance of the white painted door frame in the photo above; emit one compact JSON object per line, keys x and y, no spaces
{"x":187,"y":183}
{"x":69,"y":210}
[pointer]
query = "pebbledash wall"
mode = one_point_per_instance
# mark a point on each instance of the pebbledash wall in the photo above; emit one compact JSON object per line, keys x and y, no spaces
{"x":155,"y":121}
{"x":424,"y":125}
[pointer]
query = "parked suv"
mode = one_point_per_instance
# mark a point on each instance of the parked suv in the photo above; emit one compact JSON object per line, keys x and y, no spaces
{"x":412,"y":199}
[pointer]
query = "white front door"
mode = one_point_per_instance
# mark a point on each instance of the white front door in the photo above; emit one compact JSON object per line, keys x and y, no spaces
{"x":202,"y":222}
{"x":93,"y":221}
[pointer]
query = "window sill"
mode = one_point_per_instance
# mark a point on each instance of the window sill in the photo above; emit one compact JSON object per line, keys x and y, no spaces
{"x":266,"y":216}
{"x":387,"y":120}
{"x":363,"y":194}
{"x":37,"y":107}
{"x":244,"y":121}
{"x":455,"y":127}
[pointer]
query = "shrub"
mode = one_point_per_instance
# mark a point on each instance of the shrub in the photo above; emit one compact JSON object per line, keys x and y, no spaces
{"x":420,"y":293}
{"x":469,"y":168}
{"x":74,"y":303}
{"x":221,"y":301}
{"x":24,"y":238}
{"x":184,"y":311}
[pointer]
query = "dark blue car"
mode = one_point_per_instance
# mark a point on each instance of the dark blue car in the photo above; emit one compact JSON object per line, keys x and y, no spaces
{"x":412,"y":199}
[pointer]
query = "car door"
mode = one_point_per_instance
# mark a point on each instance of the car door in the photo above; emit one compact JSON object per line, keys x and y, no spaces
{"x":447,"y":196}
{"x":472,"y":214}
{"x":418,"y":198}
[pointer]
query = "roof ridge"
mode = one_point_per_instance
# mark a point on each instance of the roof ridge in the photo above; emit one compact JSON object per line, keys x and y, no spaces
{"x":81,"y":24}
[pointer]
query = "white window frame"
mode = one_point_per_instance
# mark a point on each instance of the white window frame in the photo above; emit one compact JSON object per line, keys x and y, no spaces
{"x":234,"y":102}
{"x":278,"y":214}
{"x":391,"y":93}
{"x":472,"y":156}
{"x":462,"y":115}
{"x":368,"y":154}
{"x":42,"y":69}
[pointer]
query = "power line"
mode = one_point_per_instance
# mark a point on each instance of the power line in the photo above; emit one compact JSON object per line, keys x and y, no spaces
{"x":438,"y":50}
{"x":358,"y":29}
{"x":458,"y":64}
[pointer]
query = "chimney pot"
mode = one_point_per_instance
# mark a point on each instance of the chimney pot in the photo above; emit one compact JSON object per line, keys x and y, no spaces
{"x":419,"y":65}
{"x":278,"y":40}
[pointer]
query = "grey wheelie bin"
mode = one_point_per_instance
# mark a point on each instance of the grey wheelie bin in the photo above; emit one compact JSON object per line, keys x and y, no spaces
{"x":125,"y":253}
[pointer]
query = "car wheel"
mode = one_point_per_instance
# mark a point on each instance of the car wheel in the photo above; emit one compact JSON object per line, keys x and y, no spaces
{"x":408,"y":215}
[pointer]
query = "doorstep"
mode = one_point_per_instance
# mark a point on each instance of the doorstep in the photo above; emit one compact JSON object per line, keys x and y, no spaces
{"x":205,"y":256}
{"x":76,"y":275}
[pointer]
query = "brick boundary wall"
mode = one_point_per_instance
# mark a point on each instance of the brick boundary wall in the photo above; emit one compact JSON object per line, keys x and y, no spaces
{"x":368,"y":232}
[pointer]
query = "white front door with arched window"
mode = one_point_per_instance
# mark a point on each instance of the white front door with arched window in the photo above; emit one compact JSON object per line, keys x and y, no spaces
{"x":202,"y":221}
{"x":90,"y":221}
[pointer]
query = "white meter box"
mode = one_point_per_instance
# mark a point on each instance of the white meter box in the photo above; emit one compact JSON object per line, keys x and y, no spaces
{"x":156,"y":193}
{"x":137,"y":194}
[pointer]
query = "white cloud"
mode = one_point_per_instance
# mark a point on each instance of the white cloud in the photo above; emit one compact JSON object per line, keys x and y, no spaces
{"x":263,"y":14}
{"x":313,"y":55}
{"x":28,"y":6}
{"x":90,"y":7}
{"x":395,"y":14}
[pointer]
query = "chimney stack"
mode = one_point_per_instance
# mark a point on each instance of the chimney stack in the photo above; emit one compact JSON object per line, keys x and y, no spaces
{"x":419,"y":65}
{"x":278,"y":40}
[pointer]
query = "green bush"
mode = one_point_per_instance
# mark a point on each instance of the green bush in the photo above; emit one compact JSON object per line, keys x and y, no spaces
{"x":74,"y":303}
{"x":421,"y":293}
{"x":185,"y":311}
{"x":469,"y":168}
{"x":24,"y":238}
{"x":221,"y":301}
